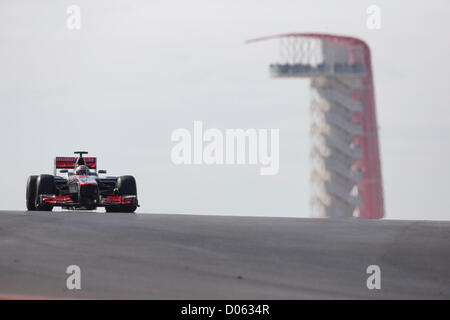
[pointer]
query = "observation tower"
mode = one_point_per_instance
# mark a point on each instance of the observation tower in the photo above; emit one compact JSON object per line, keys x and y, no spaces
{"x":345,"y":158}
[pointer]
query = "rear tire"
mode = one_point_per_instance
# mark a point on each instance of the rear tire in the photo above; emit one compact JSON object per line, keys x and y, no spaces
{"x":31,"y":193}
{"x":126,"y":185}
{"x":45,"y":184}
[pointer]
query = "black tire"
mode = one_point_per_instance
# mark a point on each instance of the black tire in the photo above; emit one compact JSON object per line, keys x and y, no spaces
{"x":45,"y":184}
{"x":126,"y":208}
{"x":31,"y":193}
{"x":112,"y":209}
{"x":126,"y":185}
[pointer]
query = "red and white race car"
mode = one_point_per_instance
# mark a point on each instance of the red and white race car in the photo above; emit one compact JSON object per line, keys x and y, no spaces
{"x":82,"y":188}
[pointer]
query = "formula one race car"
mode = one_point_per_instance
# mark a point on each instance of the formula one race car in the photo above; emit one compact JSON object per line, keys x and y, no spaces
{"x":82,"y":189}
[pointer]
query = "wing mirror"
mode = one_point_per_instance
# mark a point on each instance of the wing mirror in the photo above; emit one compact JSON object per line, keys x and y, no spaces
{"x":101,"y":171}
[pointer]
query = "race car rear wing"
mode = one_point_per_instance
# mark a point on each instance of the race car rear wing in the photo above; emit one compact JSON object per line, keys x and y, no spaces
{"x":69,"y":163}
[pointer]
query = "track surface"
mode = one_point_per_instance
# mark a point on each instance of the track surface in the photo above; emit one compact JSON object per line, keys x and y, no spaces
{"x":217,"y":257}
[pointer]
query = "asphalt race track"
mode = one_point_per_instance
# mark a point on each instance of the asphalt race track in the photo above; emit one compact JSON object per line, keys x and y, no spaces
{"x":159,"y":256}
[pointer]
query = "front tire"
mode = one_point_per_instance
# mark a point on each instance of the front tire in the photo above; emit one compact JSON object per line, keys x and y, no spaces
{"x":126,"y":185}
{"x":45,"y":184}
{"x":31,"y":193}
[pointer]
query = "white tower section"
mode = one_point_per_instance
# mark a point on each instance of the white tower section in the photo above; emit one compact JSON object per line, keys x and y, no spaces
{"x":333,"y":154}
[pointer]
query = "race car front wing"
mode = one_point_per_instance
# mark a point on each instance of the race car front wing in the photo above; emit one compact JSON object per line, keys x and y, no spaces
{"x":66,"y":201}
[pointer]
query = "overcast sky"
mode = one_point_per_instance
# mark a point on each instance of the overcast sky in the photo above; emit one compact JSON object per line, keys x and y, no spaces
{"x":137,"y":70}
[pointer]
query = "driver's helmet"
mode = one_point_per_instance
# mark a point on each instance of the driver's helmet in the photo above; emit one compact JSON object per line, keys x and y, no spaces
{"x":82,"y":170}
{"x":80,"y":162}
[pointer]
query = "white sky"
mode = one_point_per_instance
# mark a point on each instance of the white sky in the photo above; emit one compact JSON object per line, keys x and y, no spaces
{"x":137,"y":70}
